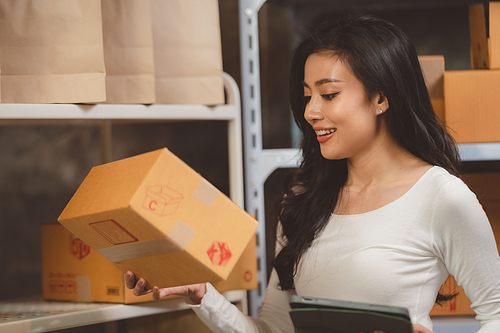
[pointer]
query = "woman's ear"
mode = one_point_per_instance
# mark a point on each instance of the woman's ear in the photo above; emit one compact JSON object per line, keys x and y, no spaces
{"x":382,"y":102}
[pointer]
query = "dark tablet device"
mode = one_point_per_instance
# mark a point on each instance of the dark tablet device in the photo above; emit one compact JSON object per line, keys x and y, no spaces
{"x":317,"y":315}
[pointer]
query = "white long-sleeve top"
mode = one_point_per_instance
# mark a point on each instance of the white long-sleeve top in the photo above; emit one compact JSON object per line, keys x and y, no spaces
{"x":397,"y":255}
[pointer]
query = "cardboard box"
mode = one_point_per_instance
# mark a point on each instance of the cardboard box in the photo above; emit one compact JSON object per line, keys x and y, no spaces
{"x":433,"y":71}
{"x":485,"y":52}
{"x":72,"y":271}
{"x":471,"y":105}
{"x":154,"y":215}
{"x":486,"y":186}
{"x":458,"y":306}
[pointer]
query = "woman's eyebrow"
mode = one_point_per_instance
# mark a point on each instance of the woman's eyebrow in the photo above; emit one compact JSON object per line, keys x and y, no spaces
{"x":321,"y":82}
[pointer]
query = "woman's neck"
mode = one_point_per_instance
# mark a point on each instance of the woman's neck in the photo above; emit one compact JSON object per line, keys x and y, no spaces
{"x":384,"y":163}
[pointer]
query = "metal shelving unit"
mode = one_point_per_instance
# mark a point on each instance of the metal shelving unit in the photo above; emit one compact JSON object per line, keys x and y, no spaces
{"x":261,"y":163}
{"x":104,"y":115}
{"x":35,"y":315}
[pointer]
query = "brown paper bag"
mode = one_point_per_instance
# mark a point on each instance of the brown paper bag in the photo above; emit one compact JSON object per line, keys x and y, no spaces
{"x":128,"y":51}
{"x":187,"y":52}
{"x":51,"y":51}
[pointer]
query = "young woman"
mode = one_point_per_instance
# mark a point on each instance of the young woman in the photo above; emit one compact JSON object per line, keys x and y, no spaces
{"x":376,"y":212}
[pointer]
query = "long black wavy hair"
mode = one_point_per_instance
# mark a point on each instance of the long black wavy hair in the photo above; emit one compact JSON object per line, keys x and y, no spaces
{"x":383,"y":59}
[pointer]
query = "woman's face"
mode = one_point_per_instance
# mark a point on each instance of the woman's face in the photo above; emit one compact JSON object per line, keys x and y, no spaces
{"x":344,"y":118}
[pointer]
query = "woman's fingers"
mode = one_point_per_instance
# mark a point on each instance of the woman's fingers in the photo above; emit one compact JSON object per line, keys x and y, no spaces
{"x":164,"y":292}
{"x":130,"y":280}
{"x":193,"y":293}
{"x":138,"y":286}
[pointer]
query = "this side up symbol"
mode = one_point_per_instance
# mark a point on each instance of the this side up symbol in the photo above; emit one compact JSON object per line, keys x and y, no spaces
{"x":162,"y":200}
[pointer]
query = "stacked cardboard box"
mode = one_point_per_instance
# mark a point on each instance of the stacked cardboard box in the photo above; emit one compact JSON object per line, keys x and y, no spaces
{"x":471,"y":96}
{"x":72,"y":271}
{"x":433,"y":71}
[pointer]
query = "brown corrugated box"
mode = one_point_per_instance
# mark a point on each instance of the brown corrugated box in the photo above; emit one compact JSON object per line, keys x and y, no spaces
{"x":471,"y":105}
{"x":433,"y":71}
{"x":154,"y":215}
{"x":486,"y":186}
{"x":72,"y":271}
{"x":458,"y":306}
{"x":485,"y":52}
{"x":471,"y":96}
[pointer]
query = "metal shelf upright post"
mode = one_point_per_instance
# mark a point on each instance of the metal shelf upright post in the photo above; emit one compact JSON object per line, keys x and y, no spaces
{"x":259,"y":162}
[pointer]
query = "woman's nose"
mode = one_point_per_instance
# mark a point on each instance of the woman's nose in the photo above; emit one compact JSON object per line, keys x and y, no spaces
{"x":313,"y":110}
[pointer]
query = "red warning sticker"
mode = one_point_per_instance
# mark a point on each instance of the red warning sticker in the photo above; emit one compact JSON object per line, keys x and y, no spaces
{"x":113,"y":232}
{"x":78,"y":248}
{"x":219,"y":253}
{"x":248,"y":276}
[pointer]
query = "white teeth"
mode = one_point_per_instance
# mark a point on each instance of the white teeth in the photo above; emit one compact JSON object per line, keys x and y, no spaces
{"x":325,"y":132}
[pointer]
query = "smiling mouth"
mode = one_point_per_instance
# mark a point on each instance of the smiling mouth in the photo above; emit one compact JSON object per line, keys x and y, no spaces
{"x":325,"y":132}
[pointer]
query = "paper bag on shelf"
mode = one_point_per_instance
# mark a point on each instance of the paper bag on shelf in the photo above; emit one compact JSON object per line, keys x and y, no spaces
{"x":187,"y":52}
{"x":128,"y":51}
{"x":52,"y":51}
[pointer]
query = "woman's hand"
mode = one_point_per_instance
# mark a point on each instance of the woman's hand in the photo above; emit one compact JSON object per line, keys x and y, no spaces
{"x":192,"y":293}
{"x":416,"y":328}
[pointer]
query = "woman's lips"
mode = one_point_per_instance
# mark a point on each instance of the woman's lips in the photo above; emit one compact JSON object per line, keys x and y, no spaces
{"x":324,"y":135}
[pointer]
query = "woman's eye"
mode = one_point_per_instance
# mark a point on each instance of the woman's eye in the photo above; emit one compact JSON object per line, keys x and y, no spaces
{"x":329,"y":96}
{"x":306,"y":99}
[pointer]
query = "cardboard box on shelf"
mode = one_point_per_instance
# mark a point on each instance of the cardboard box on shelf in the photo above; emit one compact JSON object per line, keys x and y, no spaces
{"x":72,"y":271}
{"x":485,"y":185}
{"x":458,"y":306}
{"x":433,"y":71}
{"x":438,"y":106}
{"x":152,"y":211}
{"x":485,"y":52}
{"x":471,"y":105}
